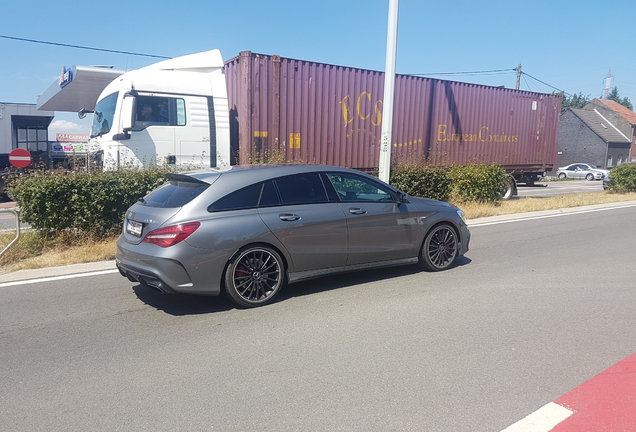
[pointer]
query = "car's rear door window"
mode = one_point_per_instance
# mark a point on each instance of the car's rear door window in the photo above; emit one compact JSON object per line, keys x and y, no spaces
{"x":301,"y":189}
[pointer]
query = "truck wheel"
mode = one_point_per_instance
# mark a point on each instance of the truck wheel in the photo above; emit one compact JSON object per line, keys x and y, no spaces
{"x":590,"y":177}
{"x":254,"y":276}
{"x":509,"y":189}
{"x":439,"y":249}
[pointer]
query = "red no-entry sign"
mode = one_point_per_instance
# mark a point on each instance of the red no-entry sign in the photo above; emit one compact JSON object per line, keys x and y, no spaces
{"x":20,"y":158}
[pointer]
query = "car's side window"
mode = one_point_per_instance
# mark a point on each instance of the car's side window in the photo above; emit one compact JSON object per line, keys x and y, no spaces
{"x":301,"y":189}
{"x":269,"y":196}
{"x":351,"y":188}
{"x":241,"y":199}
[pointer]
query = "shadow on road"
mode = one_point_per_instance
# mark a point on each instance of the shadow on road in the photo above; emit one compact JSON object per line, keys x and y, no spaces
{"x":182,"y":304}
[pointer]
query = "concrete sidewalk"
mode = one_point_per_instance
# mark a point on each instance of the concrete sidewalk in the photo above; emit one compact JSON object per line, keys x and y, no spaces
{"x":110,"y":265}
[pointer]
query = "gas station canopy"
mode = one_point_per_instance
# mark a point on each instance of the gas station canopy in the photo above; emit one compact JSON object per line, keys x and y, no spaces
{"x":78,"y":87}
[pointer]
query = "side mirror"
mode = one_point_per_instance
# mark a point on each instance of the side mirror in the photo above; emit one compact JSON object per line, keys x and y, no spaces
{"x":82,"y":113}
{"x":401,"y":198}
{"x":127,"y":113}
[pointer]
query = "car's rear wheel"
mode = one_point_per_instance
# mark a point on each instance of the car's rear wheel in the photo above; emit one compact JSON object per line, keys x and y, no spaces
{"x":254,"y":276}
{"x":590,"y":177}
{"x":439,"y":249}
{"x":562,"y":175}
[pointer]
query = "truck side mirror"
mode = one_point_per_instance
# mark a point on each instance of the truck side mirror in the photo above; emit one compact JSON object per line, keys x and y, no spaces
{"x":127,"y":113}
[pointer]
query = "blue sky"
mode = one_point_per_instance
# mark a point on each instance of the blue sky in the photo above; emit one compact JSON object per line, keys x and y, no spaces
{"x":569,"y":44}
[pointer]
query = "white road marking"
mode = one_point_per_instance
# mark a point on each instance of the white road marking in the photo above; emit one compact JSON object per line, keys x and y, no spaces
{"x":471,"y":225}
{"x":56,"y":278}
{"x":542,"y":420}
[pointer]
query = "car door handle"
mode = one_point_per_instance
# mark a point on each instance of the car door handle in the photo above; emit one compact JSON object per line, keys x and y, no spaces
{"x":288,"y":217}
{"x":357,"y":211}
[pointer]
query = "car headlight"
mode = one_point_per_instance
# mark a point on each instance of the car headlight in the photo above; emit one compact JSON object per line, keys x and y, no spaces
{"x":461,"y":215}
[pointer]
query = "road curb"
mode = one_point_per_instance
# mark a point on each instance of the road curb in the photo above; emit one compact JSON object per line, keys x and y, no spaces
{"x":57,"y":271}
{"x":536,"y":214}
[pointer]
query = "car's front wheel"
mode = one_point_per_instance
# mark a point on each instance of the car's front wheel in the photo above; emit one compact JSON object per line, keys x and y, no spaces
{"x":590,"y":177}
{"x":439,"y":249}
{"x":254,"y":276}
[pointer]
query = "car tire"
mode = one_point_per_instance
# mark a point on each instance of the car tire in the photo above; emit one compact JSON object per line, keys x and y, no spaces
{"x":562,"y":175}
{"x":254,"y":276}
{"x":439,"y":249}
{"x":590,"y":177}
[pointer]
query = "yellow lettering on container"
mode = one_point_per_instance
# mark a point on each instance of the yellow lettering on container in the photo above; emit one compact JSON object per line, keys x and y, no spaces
{"x":294,"y":140}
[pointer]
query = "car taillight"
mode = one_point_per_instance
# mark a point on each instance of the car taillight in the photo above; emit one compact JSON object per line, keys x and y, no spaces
{"x":171,"y":235}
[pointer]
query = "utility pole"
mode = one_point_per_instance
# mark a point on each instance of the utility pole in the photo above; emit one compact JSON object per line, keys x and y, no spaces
{"x":518,"y":76}
{"x":389,"y":92}
{"x":608,"y":84}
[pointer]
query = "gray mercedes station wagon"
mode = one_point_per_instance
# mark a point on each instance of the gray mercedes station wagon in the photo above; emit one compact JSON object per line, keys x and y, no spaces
{"x":248,"y":230}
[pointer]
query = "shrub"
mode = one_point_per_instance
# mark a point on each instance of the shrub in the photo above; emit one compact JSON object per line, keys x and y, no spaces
{"x":477,"y":182}
{"x":92,"y":203}
{"x":423,"y":181}
{"x":623,"y":178}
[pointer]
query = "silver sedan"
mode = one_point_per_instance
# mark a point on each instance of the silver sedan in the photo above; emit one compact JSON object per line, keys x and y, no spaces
{"x":581,"y":171}
{"x":248,"y":230}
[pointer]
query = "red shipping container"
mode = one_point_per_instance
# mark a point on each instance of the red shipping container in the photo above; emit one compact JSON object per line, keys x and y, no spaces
{"x":324,"y":114}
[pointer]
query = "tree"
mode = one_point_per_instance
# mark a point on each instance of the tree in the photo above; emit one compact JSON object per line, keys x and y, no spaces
{"x":573,"y":101}
{"x":614,"y":96}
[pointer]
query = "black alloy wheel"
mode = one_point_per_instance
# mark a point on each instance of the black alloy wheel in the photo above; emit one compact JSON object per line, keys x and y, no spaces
{"x":254,"y":276}
{"x":439,"y":249}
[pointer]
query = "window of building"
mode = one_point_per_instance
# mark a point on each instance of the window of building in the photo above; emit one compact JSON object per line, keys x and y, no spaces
{"x":609,"y":161}
{"x":34,"y":139}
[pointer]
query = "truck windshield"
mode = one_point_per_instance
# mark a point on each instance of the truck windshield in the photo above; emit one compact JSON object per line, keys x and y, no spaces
{"x":104,"y":114}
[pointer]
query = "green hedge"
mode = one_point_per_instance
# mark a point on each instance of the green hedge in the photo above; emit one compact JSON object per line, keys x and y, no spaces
{"x":623,"y":178}
{"x":423,"y":181}
{"x":96,"y":203}
{"x":92,"y":203}
{"x":474,"y":182}
{"x":478,"y":182}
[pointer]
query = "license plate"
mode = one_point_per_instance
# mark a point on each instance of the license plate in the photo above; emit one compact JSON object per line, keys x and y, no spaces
{"x":134,"y":228}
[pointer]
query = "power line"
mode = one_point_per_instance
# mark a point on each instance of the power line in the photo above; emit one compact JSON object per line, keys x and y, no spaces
{"x":467,"y":73}
{"x":492,"y":72}
{"x":545,"y":83}
{"x":82,"y":47}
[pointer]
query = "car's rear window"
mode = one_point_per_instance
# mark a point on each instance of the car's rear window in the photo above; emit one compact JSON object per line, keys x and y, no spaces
{"x":175,"y":194}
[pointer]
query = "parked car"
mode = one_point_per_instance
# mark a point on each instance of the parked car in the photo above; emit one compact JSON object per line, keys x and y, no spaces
{"x":582,"y":170}
{"x":247,"y":230}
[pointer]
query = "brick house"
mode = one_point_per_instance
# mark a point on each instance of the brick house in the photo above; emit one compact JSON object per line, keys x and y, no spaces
{"x":602,"y":133}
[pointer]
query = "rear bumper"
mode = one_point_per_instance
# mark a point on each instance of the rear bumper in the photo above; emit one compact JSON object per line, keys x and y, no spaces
{"x":146,"y":279}
{"x":179,"y":269}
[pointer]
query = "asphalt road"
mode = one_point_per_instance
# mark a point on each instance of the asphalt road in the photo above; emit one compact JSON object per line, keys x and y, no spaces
{"x":535,"y":308}
{"x":547,"y":189}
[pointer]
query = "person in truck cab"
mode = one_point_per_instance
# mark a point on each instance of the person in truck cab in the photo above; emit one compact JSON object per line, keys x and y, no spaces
{"x":147,"y":114}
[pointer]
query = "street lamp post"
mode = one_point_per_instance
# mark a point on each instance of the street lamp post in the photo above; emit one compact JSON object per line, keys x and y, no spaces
{"x":389,"y":91}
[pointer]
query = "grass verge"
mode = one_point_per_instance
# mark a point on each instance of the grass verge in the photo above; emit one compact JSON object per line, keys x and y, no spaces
{"x":476,"y":210}
{"x":35,"y":250}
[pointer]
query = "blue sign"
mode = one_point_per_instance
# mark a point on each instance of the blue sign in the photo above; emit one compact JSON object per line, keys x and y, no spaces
{"x":66,"y":77}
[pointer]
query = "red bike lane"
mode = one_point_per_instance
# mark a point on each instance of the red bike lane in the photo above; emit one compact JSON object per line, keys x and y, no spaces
{"x":604,"y":403}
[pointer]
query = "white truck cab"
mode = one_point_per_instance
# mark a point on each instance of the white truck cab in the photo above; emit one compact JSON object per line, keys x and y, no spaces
{"x":174,"y":112}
